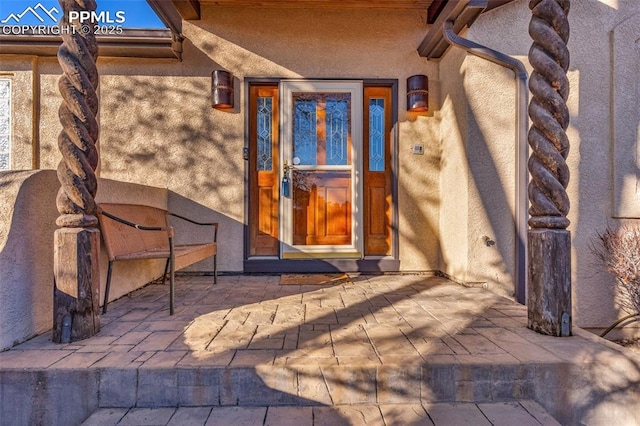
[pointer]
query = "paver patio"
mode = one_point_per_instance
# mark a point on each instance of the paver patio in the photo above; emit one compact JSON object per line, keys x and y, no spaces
{"x":377,"y":341}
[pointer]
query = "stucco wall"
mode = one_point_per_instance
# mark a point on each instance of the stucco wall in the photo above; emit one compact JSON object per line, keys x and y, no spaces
{"x":158,"y":128}
{"x":479,"y":141}
{"x":591,"y":133}
{"x":478,"y":168}
{"x":27,"y":217}
{"x":625,"y":38}
{"x":454,"y":176}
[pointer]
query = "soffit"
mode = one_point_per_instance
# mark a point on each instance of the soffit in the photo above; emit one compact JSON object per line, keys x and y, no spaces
{"x":173,"y":11}
{"x":463,"y":12}
{"x":334,"y":4}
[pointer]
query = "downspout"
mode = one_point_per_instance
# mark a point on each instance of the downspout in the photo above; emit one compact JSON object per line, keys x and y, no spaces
{"x":522,"y":148}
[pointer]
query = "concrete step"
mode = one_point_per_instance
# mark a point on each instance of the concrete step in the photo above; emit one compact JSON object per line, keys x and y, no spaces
{"x":521,"y":413}
{"x":315,"y":385}
{"x":67,"y":396}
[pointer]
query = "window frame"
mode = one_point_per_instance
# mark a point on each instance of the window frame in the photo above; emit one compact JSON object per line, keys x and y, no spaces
{"x":9,"y":133}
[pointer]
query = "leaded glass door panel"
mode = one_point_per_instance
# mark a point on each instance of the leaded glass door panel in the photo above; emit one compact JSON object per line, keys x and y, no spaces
{"x":264,"y":194}
{"x":322,"y":136}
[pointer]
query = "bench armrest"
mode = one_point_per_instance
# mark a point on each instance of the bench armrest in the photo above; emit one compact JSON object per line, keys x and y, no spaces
{"x":214,"y":224}
{"x":132,"y":224}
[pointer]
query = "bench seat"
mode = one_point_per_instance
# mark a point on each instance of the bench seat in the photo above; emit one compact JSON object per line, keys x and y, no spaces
{"x":137,"y":232}
{"x":185,"y":255}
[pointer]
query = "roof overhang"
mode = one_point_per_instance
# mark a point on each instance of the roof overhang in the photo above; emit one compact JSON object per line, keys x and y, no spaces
{"x":167,"y":43}
{"x":150,"y":43}
{"x":172,"y":12}
{"x":462,"y":13}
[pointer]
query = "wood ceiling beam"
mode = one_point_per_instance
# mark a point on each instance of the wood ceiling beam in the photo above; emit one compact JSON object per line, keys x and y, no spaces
{"x":434,"y":39}
{"x":434,"y":10}
{"x":462,"y":13}
{"x":188,"y":9}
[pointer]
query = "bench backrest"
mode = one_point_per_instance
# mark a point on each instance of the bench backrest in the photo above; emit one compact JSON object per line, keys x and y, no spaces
{"x":120,"y":239}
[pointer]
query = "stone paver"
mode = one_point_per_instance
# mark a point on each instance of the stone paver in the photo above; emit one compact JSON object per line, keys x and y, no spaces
{"x":289,"y":416}
{"x":147,"y":417}
{"x":249,"y":416}
{"x":106,"y":417}
{"x":457,"y":414}
{"x":496,"y":414}
{"x":190,"y":416}
{"x":508,"y":414}
{"x":405,"y":414}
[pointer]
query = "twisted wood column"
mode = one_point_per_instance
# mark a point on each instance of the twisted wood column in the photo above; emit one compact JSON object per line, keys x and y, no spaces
{"x":549,"y":292}
{"x":77,"y":140}
{"x":549,"y":56}
{"x":77,"y":243}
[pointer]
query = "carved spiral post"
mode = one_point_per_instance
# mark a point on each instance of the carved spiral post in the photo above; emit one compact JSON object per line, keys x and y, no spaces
{"x":77,"y":242}
{"x":549,"y":242}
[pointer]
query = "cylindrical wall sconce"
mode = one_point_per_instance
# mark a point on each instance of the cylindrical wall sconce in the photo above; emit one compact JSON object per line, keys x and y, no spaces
{"x":418,"y":93}
{"x":222,"y":90}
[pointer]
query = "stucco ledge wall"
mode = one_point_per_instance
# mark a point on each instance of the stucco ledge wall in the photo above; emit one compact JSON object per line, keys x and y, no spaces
{"x":27,"y":225}
{"x":27,"y":212}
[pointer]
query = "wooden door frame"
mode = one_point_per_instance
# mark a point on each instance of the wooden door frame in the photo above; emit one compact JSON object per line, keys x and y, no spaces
{"x":367,"y":265}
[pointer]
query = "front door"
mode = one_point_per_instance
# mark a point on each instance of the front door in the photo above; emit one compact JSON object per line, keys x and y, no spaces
{"x":320,"y":170}
{"x":321,"y":139}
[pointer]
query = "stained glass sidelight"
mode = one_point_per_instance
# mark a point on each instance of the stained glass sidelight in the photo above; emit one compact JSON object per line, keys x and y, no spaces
{"x":337,"y":123}
{"x":376,"y":135}
{"x":304,"y":131}
{"x":265,"y":133}
{"x":5,"y":123}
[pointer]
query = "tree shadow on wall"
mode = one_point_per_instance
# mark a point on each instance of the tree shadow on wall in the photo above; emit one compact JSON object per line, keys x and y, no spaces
{"x":162,"y":131}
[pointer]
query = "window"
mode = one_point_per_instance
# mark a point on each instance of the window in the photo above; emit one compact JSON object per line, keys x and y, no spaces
{"x":5,"y":124}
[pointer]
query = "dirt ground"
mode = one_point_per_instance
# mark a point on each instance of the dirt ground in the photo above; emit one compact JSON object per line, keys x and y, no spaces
{"x":633,"y":344}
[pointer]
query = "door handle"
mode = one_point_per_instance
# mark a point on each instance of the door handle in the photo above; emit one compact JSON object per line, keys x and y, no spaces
{"x":287,"y":167}
{"x":286,"y":183}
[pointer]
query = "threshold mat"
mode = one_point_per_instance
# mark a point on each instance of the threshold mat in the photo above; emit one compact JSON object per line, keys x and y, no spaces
{"x":314,"y":279}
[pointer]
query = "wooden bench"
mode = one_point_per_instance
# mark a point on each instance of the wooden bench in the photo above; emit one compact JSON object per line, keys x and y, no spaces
{"x":133,"y":232}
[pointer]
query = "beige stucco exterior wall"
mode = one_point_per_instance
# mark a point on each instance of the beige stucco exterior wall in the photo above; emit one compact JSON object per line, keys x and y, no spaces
{"x":479,"y":143}
{"x":490,"y":142}
{"x":454,"y":176}
{"x":27,"y":212}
